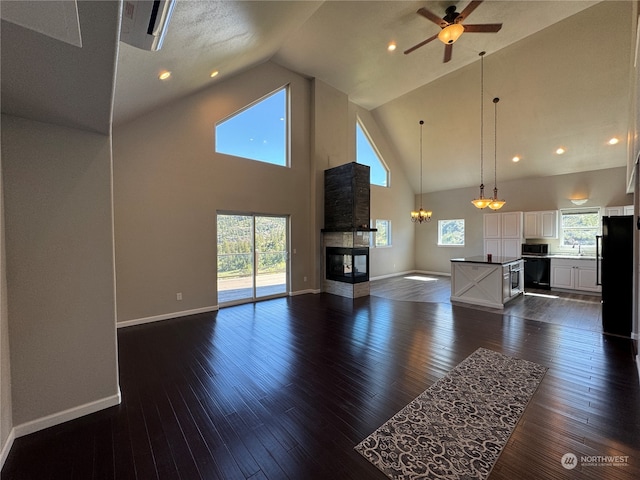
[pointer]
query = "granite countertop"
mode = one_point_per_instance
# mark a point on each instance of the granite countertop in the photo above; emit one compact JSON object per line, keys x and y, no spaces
{"x":483,"y":259}
{"x":560,"y":255}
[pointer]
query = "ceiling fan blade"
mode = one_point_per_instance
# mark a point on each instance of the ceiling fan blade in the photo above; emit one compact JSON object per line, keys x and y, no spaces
{"x":468,"y":9}
{"x":485,"y":28}
{"x":433,"y":17}
{"x":448,"y":50}
{"x":424,"y":42}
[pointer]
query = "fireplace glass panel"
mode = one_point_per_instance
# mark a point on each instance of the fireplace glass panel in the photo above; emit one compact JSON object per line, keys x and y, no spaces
{"x":349,"y":265}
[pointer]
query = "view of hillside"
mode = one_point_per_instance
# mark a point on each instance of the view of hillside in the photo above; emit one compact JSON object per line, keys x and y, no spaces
{"x":235,"y":244}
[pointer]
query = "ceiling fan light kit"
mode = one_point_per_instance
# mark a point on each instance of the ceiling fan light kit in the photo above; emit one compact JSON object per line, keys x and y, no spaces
{"x":451,"y":33}
{"x":452,"y":27}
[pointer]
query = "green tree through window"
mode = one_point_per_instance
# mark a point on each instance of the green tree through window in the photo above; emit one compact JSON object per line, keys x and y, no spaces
{"x":383,"y":235}
{"x":451,"y":232}
{"x":580,"y":226}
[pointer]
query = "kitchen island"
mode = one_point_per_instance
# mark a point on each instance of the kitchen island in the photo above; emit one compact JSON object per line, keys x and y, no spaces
{"x":487,"y":281}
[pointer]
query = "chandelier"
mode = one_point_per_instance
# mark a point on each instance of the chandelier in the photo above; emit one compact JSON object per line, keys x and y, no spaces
{"x":481,"y":202}
{"x":421,"y":215}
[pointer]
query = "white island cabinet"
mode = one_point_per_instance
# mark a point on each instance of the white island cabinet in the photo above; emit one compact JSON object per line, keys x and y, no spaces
{"x":490,"y":283}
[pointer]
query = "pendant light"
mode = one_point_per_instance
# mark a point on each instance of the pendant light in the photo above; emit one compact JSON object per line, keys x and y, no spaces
{"x":481,"y":202}
{"x":495,"y":203}
{"x":421,"y":215}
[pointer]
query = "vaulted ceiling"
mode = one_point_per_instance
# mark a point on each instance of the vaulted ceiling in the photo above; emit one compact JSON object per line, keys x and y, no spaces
{"x":561,"y":69}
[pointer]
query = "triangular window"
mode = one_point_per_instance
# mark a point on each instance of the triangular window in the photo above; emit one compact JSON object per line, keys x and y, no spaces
{"x":258,"y":132}
{"x":367,"y":154}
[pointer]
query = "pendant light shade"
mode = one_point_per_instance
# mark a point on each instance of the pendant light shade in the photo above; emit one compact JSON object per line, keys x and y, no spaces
{"x":481,"y":202}
{"x":495,"y":204}
{"x":421,"y":215}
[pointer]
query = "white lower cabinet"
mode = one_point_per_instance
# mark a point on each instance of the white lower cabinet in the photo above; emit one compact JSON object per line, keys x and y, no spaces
{"x":573,"y":274}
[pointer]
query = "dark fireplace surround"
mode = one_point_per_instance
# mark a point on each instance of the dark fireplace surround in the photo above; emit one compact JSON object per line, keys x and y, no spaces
{"x":346,"y":234}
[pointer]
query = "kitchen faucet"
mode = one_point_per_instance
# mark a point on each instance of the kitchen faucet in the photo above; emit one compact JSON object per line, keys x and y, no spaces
{"x":579,"y":247}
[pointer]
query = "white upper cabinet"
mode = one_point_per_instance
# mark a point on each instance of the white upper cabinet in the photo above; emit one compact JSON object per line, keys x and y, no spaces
{"x":492,"y":225}
{"x":541,"y":224}
{"x":512,"y":225}
{"x":503,"y":225}
{"x":503,"y":234}
{"x":617,"y":211}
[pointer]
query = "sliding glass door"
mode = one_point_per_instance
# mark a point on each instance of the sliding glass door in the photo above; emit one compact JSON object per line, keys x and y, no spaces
{"x":252,"y":257}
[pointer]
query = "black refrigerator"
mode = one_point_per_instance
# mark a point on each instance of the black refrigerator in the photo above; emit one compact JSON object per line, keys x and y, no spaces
{"x":615,"y":253}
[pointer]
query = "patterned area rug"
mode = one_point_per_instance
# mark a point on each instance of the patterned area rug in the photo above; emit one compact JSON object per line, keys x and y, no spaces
{"x":457,"y":428}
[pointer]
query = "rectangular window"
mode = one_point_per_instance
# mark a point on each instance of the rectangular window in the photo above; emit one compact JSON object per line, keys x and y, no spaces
{"x":383,"y":235}
{"x":579,"y":226}
{"x":451,"y":233}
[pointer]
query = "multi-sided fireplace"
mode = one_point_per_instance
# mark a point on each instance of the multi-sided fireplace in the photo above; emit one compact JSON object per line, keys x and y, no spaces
{"x":346,"y":235}
{"x":349,"y":265}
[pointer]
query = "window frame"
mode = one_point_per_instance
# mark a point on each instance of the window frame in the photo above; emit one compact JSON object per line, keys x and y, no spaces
{"x":587,"y":210}
{"x":388,"y":236}
{"x":440,"y":225}
{"x":376,"y":152}
{"x":287,"y":127}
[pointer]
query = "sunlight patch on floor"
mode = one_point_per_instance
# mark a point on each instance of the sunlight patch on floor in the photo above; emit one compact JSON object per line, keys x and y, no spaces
{"x":422,"y":279}
{"x":544,"y":295}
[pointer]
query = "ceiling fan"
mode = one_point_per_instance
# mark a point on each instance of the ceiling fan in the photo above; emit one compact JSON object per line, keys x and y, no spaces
{"x":452,"y":27}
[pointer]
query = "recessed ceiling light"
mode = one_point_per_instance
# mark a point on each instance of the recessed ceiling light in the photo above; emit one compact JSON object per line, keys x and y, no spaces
{"x":560,"y":151}
{"x":613,"y":141}
{"x":515,"y":159}
{"x":164,"y":75}
{"x":391,"y":47}
{"x":214,"y":73}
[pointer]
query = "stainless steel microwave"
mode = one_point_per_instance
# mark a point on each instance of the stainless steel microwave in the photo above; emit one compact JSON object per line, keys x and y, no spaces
{"x":535,"y":249}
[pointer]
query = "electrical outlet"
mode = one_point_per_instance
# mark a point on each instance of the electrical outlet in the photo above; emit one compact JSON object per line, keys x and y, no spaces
{"x":305,"y":279}
{"x":179,"y":296}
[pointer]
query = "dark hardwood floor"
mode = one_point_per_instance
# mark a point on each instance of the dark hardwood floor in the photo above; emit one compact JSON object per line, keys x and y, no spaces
{"x":575,"y":309}
{"x":285,"y":388}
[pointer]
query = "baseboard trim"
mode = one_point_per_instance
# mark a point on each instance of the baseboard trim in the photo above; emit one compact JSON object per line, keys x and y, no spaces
{"x":66,"y":415}
{"x":4,"y":453}
{"x":165,"y":316}
{"x":304,"y":292}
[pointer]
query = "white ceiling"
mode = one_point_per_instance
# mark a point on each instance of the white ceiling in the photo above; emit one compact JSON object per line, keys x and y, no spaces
{"x":561,"y":69}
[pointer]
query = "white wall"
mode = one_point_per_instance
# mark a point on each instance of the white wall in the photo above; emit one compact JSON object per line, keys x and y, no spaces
{"x":6,"y":423}
{"x":60,"y":275}
{"x":393,"y":203}
{"x":168,"y":189}
{"x":169,"y":184}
